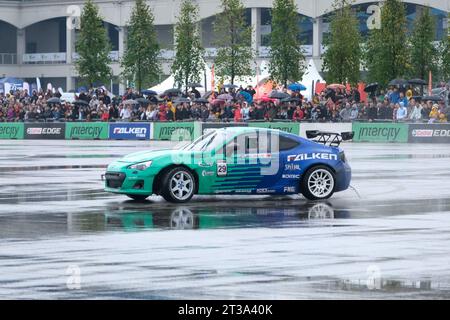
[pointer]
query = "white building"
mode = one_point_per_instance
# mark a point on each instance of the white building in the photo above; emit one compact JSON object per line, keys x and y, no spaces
{"x":37,"y":36}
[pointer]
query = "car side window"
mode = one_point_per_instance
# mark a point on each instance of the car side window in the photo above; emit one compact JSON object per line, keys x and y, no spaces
{"x":230,"y":149}
{"x":286,"y":143}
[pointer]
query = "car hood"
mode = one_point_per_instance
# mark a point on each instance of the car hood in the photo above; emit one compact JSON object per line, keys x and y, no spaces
{"x":166,"y":156}
{"x":147,"y":155}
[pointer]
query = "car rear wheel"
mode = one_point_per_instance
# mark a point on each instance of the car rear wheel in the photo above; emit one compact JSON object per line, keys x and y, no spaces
{"x":318,"y":183}
{"x":178,"y":185}
{"x":137,"y":197}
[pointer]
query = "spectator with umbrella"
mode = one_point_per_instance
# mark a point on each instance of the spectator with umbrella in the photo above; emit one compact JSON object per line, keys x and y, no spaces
{"x":194,"y":90}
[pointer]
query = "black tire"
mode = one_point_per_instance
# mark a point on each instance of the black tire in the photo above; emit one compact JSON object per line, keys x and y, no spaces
{"x":137,"y":197}
{"x":311,"y":190}
{"x":168,"y":184}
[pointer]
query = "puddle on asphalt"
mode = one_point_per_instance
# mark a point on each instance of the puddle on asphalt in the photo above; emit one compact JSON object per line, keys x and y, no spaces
{"x":130,"y":216}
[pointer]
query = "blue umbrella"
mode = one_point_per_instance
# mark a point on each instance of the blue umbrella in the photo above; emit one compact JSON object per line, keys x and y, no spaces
{"x":247,"y":96}
{"x":149,"y":92}
{"x":296,"y":87}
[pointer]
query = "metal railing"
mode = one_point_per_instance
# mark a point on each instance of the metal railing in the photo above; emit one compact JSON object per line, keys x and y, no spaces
{"x":8,"y":58}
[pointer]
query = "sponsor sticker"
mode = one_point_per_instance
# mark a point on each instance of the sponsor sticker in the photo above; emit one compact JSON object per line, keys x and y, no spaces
{"x":244,"y":190}
{"x":289,"y":189}
{"x":291,"y":176}
{"x":291,"y":167}
{"x":265,"y":190}
{"x":206,"y":173}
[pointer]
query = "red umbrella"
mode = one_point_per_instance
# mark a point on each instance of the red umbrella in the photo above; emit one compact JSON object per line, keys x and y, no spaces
{"x":336,"y":86}
{"x":217,"y":101}
{"x":266,"y":99}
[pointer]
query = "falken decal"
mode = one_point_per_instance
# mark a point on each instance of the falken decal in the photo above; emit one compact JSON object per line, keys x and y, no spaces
{"x":312,"y":156}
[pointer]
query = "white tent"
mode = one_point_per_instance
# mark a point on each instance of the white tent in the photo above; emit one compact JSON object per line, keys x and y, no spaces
{"x":169,"y":83}
{"x":165,"y":85}
{"x":310,"y":78}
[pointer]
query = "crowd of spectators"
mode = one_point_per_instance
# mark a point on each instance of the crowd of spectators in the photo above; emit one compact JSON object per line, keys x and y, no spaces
{"x":332,"y":105}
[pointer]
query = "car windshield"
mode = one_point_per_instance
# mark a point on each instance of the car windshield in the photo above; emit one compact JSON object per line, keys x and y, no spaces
{"x":207,"y":142}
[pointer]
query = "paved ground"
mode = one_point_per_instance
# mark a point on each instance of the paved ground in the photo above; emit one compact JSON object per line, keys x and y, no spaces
{"x":61,"y":236}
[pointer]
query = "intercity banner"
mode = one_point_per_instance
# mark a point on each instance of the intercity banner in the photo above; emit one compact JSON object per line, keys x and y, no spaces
{"x":206,"y":126}
{"x":429,"y":133}
{"x":48,"y":130}
{"x":129,"y":131}
{"x":87,"y":130}
{"x":174,"y":131}
{"x":290,"y":127}
{"x":9,"y":130}
{"x":380,"y":132}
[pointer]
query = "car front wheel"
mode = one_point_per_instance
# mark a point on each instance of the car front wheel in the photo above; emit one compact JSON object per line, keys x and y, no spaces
{"x":318,"y":183}
{"x":178,"y":185}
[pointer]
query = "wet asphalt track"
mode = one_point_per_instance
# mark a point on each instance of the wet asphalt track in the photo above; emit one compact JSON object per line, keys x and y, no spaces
{"x":388,"y":239}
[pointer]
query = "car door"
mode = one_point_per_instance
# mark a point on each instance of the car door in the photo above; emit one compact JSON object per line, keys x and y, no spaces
{"x":289,"y":179}
{"x":244,"y":165}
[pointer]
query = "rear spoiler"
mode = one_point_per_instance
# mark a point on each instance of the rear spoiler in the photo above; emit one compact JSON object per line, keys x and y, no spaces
{"x":332,"y":139}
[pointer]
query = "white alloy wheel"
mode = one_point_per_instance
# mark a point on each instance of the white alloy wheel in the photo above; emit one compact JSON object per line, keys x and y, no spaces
{"x":181,"y":185}
{"x":320,"y":183}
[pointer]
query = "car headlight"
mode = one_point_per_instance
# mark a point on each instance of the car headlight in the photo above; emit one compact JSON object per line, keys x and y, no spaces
{"x":141,"y":166}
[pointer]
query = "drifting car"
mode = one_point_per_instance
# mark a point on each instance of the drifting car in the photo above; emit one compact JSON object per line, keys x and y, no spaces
{"x":236,"y":160}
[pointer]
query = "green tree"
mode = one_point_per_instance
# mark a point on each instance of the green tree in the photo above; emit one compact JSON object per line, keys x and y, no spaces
{"x":188,"y":62}
{"x":234,"y":55}
{"x":444,"y":58}
{"x":93,"y":47}
{"x":140,"y":61}
{"x":286,"y":55}
{"x":423,"y":51}
{"x":341,"y":60}
{"x":386,"y":53}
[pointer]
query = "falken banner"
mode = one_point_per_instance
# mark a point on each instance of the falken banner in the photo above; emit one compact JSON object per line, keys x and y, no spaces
{"x":48,"y":130}
{"x":11,"y":130}
{"x":130,"y":131}
{"x":87,"y":130}
{"x":380,"y":132}
{"x":429,"y":133}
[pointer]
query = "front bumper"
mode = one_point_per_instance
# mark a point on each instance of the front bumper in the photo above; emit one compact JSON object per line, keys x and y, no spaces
{"x":129,"y":182}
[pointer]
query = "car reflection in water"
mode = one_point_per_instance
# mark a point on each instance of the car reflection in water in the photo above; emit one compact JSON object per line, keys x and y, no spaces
{"x":211,"y":217}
